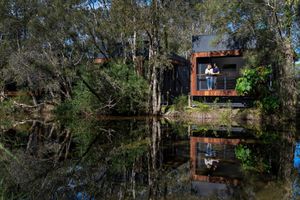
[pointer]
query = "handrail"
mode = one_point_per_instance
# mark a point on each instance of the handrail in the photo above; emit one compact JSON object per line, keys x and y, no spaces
{"x":222,"y":79}
{"x":219,"y":75}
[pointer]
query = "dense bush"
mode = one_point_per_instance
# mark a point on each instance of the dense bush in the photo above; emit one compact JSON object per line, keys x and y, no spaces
{"x":251,"y":160}
{"x":111,"y":89}
{"x":126,"y":88}
{"x":268,"y":104}
{"x":255,"y":82}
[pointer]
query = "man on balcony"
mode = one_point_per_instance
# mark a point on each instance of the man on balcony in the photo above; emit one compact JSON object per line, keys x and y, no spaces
{"x":215,"y":74}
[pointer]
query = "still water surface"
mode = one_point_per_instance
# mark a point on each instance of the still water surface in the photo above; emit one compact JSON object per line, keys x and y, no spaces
{"x":146,"y":158}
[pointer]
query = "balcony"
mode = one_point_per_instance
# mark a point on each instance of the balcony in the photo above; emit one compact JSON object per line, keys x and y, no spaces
{"x":225,"y":86}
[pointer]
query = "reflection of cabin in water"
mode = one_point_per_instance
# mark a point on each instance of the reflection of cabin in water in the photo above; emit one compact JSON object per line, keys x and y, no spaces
{"x":214,"y":166}
{"x":228,"y":57}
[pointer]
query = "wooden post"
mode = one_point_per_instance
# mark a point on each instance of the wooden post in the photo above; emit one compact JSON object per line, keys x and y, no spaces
{"x":190,"y":100}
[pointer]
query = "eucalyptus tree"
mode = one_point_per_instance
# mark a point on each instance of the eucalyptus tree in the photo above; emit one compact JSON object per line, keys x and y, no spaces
{"x":153,"y":27}
{"x":47,"y":46}
{"x":41,"y":44}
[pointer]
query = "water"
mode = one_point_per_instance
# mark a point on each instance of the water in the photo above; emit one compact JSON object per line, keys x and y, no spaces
{"x":147,"y":158}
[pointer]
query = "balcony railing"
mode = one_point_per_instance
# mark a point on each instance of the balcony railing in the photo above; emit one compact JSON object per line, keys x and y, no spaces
{"x":224,"y":82}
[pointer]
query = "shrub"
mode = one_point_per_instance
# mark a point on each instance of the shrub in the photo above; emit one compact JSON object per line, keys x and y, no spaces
{"x":254,"y":81}
{"x":180,"y":103}
{"x":83,"y":101}
{"x":250,"y":160}
{"x":201,"y":106}
{"x":268,"y":104}
{"x":129,"y":88}
{"x":118,"y":89}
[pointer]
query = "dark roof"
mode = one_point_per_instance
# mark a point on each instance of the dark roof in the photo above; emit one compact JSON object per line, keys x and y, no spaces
{"x":180,"y":59}
{"x":208,"y":43}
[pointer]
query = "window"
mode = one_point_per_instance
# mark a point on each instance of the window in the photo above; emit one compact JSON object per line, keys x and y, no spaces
{"x":229,"y":67}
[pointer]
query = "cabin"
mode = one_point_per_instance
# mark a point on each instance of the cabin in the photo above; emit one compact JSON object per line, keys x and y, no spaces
{"x":209,"y":49}
{"x":176,"y":80}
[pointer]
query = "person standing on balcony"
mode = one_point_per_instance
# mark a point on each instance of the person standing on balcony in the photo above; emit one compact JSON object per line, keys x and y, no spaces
{"x":208,"y":73}
{"x":215,"y":74}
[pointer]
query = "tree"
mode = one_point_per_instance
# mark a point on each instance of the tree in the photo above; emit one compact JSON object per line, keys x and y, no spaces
{"x":272,"y":27}
{"x":48,"y":47}
{"x":41,"y":46}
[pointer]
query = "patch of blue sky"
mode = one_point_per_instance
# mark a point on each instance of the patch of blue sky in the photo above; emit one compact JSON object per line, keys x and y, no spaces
{"x":298,"y":52}
{"x":95,"y":4}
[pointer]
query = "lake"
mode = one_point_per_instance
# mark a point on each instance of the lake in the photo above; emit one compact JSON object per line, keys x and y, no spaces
{"x":147,"y":158}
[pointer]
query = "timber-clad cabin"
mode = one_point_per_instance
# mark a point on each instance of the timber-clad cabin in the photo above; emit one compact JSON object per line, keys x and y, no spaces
{"x":208,"y":49}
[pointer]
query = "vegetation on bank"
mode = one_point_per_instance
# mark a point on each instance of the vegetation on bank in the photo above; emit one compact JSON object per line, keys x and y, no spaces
{"x":119,"y":91}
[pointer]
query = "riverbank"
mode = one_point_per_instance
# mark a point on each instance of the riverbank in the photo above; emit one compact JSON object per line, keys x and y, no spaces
{"x":227,"y":115}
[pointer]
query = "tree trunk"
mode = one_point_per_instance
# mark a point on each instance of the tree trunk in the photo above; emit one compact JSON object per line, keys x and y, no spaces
{"x":155,"y":91}
{"x":288,"y":91}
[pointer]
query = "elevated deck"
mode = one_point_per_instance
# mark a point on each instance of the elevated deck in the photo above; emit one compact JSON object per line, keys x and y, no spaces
{"x":214,"y":93}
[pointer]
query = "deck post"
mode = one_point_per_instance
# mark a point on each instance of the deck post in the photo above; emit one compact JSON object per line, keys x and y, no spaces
{"x":190,"y":100}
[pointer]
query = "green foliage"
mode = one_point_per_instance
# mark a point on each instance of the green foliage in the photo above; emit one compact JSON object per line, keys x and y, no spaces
{"x":243,"y":153}
{"x":270,"y":138}
{"x":250,"y":161}
{"x":201,"y":107}
{"x":124,"y":156}
{"x":253,"y":81}
{"x":6,"y":152}
{"x":180,"y":103}
{"x":6,"y":107}
{"x":268,"y":104}
{"x":131,"y":89}
{"x":10,"y":193}
{"x":119,"y":90}
{"x":83,"y":102}
{"x":179,"y":129}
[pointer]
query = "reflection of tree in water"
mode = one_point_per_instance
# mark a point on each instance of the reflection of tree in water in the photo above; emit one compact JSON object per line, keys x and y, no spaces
{"x":154,"y":163}
{"x":275,"y":149}
{"x":36,"y":152}
{"x":84,"y":158}
{"x":111,"y":160}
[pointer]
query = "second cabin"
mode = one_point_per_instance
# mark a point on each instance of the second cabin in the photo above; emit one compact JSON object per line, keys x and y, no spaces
{"x":207,"y":49}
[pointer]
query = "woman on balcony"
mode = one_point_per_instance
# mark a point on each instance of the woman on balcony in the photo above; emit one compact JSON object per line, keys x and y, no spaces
{"x":209,"y":78}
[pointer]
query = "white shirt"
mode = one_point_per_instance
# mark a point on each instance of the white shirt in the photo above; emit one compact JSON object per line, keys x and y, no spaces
{"x":209,"y":71}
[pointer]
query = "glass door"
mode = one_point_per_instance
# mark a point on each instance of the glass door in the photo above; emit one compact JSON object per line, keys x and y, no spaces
{"x":201,"y":77}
